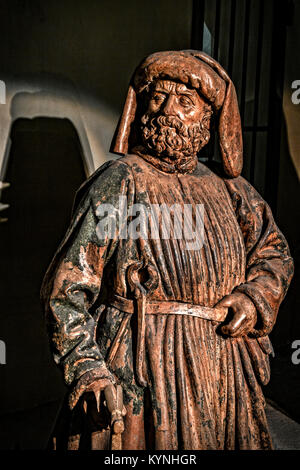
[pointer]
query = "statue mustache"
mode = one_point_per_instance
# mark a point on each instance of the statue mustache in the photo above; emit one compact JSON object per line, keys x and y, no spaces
{"x":162,"y":121}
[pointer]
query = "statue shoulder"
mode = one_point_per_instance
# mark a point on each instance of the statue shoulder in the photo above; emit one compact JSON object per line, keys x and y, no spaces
{"x":107,"y":179}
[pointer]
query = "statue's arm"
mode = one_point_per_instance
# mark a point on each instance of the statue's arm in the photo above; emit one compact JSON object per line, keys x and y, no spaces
{"x":269,"y":268}
{"x":76,"y":287}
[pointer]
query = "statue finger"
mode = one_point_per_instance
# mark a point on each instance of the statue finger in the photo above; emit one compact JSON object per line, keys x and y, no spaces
{"x":226,"y":301}
{"x":85,"y":406}
{"x":233,"y":326}
{"x":97,"y":397}
{"x":243,"y":329}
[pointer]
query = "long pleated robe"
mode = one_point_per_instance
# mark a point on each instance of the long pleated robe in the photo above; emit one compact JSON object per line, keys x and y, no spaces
{"x":204,"y":389}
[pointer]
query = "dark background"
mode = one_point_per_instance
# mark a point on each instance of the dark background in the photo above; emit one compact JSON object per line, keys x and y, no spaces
{"x":93,"y":46}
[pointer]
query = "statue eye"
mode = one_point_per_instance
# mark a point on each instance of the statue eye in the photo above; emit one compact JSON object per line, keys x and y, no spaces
{"x":185,"y":101}
{"x":159,"y":97}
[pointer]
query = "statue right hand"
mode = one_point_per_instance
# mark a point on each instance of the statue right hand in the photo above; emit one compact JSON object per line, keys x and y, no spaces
{"x":96,"y":388}
{"x":91,"y":383}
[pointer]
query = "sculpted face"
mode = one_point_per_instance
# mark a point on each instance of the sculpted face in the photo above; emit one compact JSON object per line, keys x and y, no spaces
{"x":176,"y":122}
{"x":175,"y":99}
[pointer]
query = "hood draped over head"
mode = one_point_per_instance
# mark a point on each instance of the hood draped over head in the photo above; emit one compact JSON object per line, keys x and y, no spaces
{"x":197,"y":70}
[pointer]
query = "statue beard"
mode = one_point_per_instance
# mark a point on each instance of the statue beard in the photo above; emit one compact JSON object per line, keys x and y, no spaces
{"x":169,"y":138}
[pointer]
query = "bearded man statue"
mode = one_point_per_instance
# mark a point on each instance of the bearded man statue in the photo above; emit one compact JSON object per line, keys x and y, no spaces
{"x":182,"y":331}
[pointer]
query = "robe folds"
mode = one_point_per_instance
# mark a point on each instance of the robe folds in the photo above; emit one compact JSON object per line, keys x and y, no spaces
{"x":204,"y":389}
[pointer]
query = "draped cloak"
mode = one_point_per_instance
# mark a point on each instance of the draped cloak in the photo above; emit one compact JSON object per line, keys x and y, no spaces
{"x":204,"y":389}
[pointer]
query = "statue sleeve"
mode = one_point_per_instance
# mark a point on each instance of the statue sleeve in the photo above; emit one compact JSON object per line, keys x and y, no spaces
{"x":269,"y":268}
{"x":72,"y":308}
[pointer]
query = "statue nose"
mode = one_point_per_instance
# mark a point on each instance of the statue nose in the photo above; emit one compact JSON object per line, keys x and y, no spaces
{"x":169,"y":107}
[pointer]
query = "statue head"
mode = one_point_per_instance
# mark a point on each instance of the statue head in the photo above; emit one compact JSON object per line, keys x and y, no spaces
{"x":170,"y":101}
{"x":176,"y":120}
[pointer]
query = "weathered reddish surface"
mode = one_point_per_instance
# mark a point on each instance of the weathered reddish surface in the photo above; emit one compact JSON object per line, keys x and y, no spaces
{"x":188,"y":382}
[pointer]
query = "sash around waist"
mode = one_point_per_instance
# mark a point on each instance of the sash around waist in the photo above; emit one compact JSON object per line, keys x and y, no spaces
{"x":170,"y":307}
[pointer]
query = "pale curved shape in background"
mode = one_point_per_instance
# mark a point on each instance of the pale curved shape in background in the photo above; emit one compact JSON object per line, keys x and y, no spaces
{"x":58,"y":98}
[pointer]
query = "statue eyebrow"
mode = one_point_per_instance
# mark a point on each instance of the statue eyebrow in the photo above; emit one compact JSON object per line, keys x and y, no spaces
{"x":186,"y":91}
{"x":162,"y":87}
{"x":159,"y":90}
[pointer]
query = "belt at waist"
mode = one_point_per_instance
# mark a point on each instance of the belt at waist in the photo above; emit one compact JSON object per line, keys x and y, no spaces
{"x":170,"y":307}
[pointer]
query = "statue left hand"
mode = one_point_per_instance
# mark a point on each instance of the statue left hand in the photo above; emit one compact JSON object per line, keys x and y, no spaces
{"x":244,"y":318}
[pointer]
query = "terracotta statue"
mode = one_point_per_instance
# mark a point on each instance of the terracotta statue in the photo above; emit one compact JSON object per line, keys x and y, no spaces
{"x":178,"y":332}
